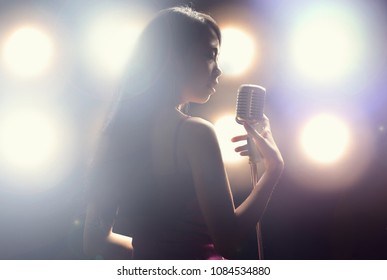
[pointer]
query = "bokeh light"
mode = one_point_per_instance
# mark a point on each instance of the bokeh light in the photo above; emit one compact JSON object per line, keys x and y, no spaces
{"x":326,"y":43}
{"x":36,"y":144}
{"x":110,"y":36}
{"x":325,"y":138}
{"x":237,"y":52}
{"x":28,"y":51}
{"x":332,"y":149}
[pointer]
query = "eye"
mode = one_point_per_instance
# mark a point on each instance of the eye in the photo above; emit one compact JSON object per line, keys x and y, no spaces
{"x":211,"y":55}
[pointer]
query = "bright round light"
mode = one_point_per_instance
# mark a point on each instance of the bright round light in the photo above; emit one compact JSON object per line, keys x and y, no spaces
{"x":28,"y":51}
{"x":110,"y":39}
{"x":325,"y":139}
{"x":226,"y":128}
{"x":35,"y":144}
{"x":326,"y":43}
{"x":237,"y":51}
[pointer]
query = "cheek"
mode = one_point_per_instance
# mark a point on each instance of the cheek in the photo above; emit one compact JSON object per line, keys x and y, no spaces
{"x":196,"y":84}
{"x":200,"y":73}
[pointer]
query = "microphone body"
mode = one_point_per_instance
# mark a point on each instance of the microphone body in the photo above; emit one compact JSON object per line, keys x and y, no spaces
{"x":250,"y":107}
{"x":250,"y":103}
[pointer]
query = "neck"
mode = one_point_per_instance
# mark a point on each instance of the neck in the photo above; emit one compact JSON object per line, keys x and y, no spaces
{"x":183,"y":108}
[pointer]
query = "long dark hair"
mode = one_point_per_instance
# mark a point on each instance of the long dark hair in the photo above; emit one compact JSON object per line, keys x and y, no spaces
{"x":164,"y":40}
{"x":124,"y":144}
{"x":150,"y":78}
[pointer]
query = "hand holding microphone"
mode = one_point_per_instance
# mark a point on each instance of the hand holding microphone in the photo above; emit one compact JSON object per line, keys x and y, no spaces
{"x":260,"y":142}
{"x":266,"y":145}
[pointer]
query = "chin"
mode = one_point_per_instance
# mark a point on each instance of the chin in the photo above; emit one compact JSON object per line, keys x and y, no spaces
{"x":205,"y":98}
{"x":200,"y":101}
{"x":200,"y":97}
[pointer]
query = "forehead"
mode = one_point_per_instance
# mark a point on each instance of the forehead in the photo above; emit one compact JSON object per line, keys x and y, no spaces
{"x":209,"y":39}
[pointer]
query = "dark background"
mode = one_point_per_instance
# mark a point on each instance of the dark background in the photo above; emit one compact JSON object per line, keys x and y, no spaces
{"x":301,"y":222}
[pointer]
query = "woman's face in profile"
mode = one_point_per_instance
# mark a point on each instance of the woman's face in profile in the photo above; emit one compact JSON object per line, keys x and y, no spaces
{"x":202,"y":71}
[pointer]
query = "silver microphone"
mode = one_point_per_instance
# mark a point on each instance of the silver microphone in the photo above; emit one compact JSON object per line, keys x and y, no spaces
{"x":250,"y":103}
{"x":250,"y":106}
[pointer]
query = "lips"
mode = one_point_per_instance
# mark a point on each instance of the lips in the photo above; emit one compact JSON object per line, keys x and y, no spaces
{"x":212,"y":86}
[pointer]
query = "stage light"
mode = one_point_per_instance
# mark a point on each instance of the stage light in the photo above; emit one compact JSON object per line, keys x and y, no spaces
{"x":226,"y":127}
{"x":28,"y":51}
{"x":331,"y":151}
{"x":110,"y":37}
{"x":327,"y":43}
{"x":237,"y":52}
{"x":36,"y":144}
{"x":325,"y":139}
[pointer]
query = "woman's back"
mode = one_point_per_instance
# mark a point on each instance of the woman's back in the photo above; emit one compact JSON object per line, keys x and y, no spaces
{"x":158,"y":206}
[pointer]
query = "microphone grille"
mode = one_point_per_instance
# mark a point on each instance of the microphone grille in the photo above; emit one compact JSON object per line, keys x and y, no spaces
{"x":250,"y":103}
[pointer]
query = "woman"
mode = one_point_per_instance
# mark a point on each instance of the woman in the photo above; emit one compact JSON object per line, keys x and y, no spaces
{"x":159,"y":175}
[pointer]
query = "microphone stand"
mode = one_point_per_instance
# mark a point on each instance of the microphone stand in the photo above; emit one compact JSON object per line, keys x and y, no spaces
{"x":254,"y":158}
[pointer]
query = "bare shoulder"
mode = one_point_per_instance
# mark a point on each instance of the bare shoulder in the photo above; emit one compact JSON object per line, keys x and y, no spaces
{"x":199,"y":136}
{"x":195,"y":126}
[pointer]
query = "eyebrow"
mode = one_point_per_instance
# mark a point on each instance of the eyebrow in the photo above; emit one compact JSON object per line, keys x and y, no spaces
{"x":214,"y":45}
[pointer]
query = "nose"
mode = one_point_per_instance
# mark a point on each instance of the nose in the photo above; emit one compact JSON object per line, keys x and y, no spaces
{"x":217,"y":72}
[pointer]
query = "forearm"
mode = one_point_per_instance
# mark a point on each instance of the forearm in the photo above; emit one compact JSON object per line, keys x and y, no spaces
{"x":250,"y":212}
{"x":247,"y":215}
{"x":113,"y":246}
{"x":117,"y":246}
{"x":100,"y":240}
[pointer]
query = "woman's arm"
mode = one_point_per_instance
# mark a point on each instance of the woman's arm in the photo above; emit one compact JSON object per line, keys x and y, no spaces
{"x":102,"y":191}
{"x":98,"y":237}
{"x":272,"y":160}
{"x":227,"y":224}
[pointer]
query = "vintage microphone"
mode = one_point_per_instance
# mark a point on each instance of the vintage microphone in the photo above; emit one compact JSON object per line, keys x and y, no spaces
{"x":249,"y":108}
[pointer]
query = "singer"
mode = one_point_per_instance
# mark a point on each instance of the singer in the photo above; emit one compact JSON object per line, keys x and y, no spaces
{"x":158,"y":174}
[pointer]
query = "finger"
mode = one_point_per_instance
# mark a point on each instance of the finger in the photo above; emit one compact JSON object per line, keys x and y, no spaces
{"x":239,"y":138}
{"x":241,"y":148}
{"x":244,"y":154}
